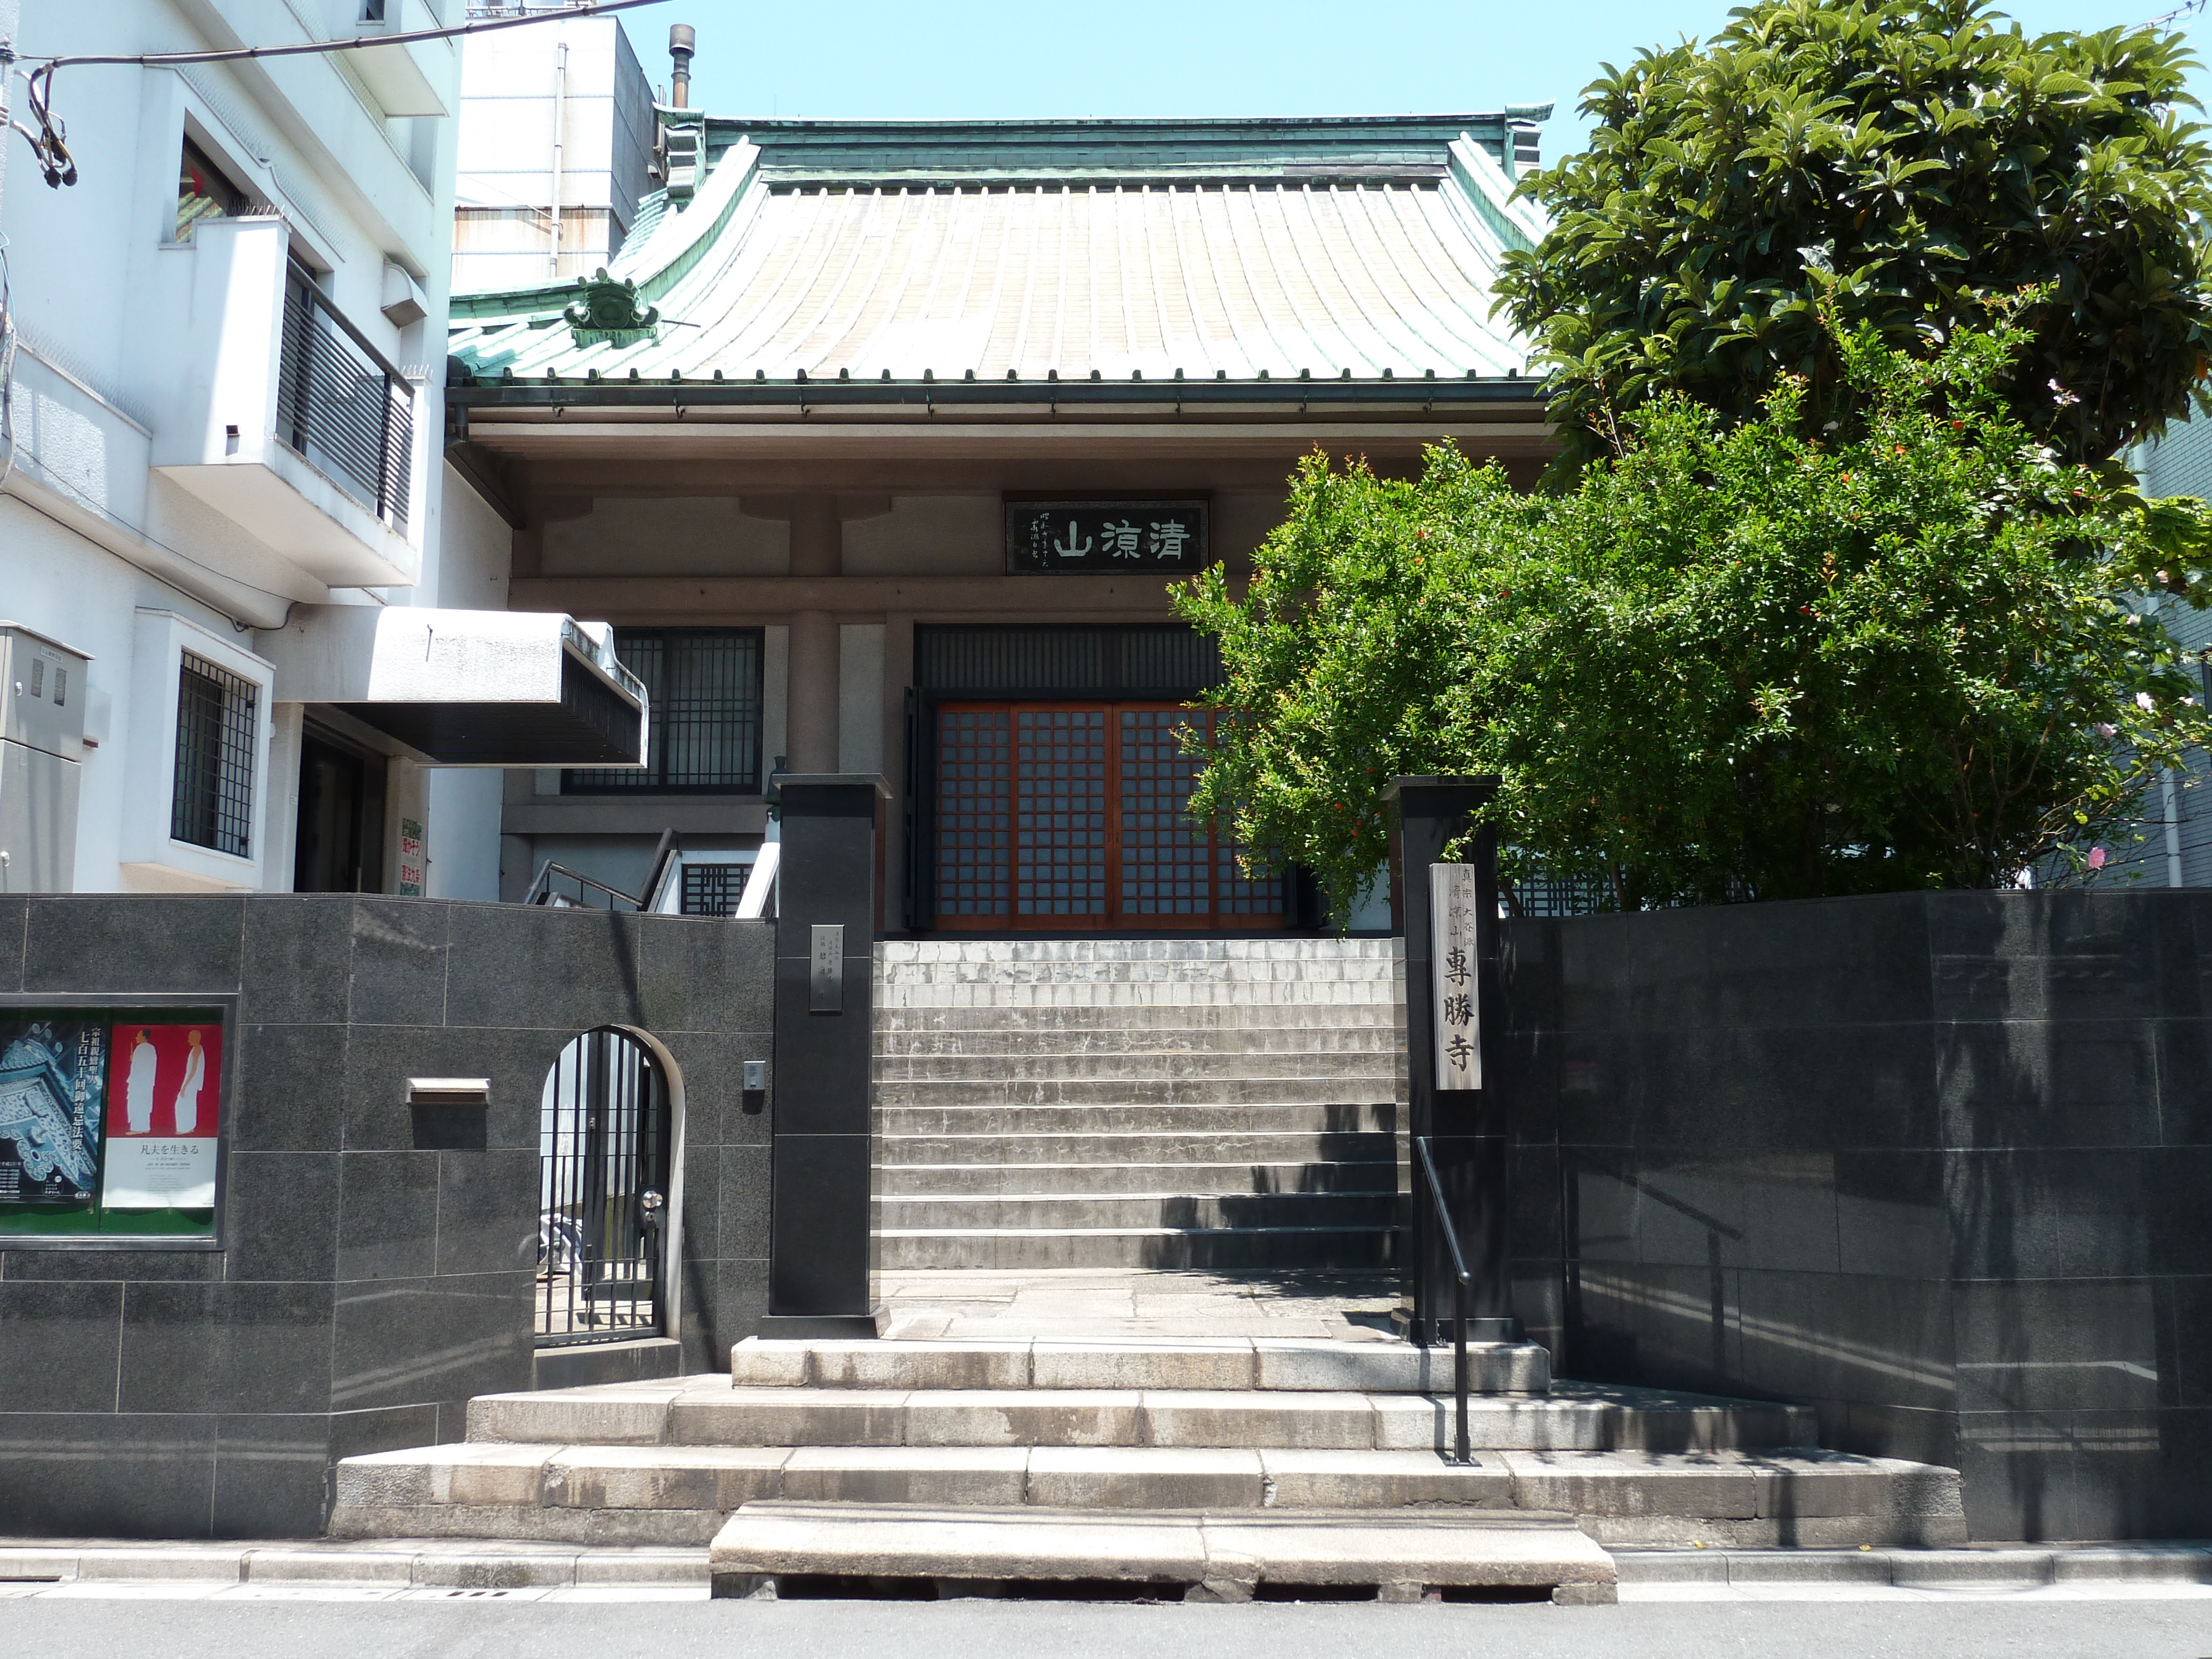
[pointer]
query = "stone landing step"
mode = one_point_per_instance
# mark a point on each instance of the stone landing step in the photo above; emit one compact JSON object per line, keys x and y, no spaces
{"x":1142,"y":1146}
{"x":1034,"y":1041}
{"x":1224,"y":1363}
{"x":1095,"y":1025}
{"x":1213,"y":1558}
{"x":1229,"y":1247}
{"x":671,"y":1495}
{"x":1372,"y":1119}
{"x":1250,"y":1085}
{"x":1151,"y":1210}
{"x":709,"y":1411}
{"x":1100,"y":1179}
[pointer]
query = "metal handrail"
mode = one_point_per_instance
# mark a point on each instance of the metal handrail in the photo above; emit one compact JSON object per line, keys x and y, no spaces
{"x":1462,"y":1281}
{"x":541,"y":891}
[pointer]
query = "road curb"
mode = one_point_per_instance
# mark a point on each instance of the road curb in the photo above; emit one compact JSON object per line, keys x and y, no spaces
{"x":1914,"y":1569}
{"x":419,"y":1564}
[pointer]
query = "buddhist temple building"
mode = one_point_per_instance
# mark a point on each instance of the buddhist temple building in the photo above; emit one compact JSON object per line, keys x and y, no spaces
{"x":880,"y":445}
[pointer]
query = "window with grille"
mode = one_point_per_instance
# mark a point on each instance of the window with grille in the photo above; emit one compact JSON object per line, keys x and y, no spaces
{"x":212,"y":805}
{"x":704,"y":690}
{"x":713,"y":890}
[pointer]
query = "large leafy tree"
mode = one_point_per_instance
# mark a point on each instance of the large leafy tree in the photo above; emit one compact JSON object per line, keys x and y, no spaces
{"x":1737,"y":660}
{"x":1925,"y":156}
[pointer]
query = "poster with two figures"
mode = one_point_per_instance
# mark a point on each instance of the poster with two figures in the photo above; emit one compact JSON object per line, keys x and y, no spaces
{"x":94,"y":1113}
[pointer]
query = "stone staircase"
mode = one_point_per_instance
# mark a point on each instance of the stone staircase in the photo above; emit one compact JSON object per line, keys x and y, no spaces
{"x":1058,"y":1111}
{"x":1214,"y":1467}
{"x":1217,"y":1104}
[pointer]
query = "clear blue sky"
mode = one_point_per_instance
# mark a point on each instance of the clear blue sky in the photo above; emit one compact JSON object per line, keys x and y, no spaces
{"x":982,"y":58}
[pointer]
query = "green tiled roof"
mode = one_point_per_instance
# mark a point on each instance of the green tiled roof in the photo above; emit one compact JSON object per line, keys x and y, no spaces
{"x":1067,"y":250}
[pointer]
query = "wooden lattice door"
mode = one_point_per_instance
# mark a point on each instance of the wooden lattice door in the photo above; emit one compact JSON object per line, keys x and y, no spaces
{"x":1064,"y":816}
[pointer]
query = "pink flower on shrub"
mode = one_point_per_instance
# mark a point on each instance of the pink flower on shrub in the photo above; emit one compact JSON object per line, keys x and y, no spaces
{"x":2096,"y":858}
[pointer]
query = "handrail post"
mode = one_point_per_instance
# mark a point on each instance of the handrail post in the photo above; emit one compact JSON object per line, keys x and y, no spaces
{"x":1461,"y":1279}
{"x":1459,"y":1362}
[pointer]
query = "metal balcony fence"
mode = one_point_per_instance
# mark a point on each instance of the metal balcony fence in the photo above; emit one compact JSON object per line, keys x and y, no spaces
{"x":343,"y":406}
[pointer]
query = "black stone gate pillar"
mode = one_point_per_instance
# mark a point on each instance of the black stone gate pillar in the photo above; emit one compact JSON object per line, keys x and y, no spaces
{"x":1465,"y":1127}
{"x":821,"y":1253}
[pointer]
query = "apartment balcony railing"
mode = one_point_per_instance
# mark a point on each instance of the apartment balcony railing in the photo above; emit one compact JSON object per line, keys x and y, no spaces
{"x":343,"y":406}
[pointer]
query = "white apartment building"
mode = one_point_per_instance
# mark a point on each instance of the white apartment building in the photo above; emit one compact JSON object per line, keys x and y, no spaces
{"x":557,"y":147}
{"x":254,"y":633}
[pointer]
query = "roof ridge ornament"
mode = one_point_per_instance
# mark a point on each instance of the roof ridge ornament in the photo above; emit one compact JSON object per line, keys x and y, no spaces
{"x":606,"y":309}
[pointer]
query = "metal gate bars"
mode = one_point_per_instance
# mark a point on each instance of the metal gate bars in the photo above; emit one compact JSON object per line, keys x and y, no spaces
{"x":602,"y":1149}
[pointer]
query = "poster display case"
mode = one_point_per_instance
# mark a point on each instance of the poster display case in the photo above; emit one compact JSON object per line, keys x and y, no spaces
{"x":112,"y":1117}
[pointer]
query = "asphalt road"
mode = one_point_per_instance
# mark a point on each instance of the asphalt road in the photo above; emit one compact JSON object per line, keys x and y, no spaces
{"x":120,"y":1629}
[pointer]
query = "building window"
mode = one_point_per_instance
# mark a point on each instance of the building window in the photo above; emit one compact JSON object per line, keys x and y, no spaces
{"x":203,"y":192}
{"x":713,"y":890}
{"x":213,"y":802}
{"x":704,"y":690}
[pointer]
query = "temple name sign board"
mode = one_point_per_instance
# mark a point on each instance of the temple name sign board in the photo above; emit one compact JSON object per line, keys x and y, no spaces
{"x":1458,"y":1024}
{"x":1103,"y":536}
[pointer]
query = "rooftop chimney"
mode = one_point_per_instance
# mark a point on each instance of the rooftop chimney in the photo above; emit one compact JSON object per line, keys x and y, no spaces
{"x":682,"y":43}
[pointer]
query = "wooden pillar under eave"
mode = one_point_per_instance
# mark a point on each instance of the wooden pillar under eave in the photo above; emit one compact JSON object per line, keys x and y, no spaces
{"x":821,"y":1248}
{"x":1466,"y":1128}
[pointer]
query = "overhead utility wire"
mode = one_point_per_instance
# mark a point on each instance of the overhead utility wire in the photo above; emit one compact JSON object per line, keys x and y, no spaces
{"x":50,"y":143}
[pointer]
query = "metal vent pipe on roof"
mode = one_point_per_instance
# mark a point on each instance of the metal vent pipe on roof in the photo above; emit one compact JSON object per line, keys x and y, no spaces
{"x":682,"y":41}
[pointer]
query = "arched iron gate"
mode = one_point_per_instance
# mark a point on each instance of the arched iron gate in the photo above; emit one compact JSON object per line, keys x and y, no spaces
{"x":603,"y":1205}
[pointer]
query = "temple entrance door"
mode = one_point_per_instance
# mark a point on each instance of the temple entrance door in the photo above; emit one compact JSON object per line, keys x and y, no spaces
{"x":1069,"y":817}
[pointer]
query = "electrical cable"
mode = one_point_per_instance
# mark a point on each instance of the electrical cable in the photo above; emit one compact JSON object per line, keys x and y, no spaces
{"x":50,"y":143}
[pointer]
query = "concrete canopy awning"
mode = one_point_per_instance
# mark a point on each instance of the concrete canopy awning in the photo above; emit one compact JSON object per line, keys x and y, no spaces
{"x":467,"y":688}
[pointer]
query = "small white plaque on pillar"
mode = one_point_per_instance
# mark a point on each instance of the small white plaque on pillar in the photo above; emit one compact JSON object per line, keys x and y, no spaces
{"x":1454,"y":1007}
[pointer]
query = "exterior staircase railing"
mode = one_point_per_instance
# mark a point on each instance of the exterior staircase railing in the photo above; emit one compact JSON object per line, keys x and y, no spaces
{"x":1460,"y":1280}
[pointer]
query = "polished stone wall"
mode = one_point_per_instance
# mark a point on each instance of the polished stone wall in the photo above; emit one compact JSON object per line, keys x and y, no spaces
{"x":1939,"y":1165}
{"x":378,"y":1265}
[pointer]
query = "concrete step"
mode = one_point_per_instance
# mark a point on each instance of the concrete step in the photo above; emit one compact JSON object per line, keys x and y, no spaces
{"x":1118,"y":1064}
{"x":1284,"y":1001}
{"x":1135,"y":1038}
{"x":1371,"y":1117}
{"x":1246,"y":1090}
{"x":1302,"y":1365}
{"x":1104,"y":948}
{"x":1288,"y":1147}
{"x":675,"y":1495}
{"x":701,"y":1412}
{"x":1275,"y":968}
{"x":779,"y":1549}
{"x":1225,"y":1249}
{"x":916,"y":1180}
{"x":997,"y":1211}
{"x":979,"y":1016}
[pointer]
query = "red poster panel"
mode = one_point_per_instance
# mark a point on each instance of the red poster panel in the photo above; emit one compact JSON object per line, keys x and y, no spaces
{"x":164,"y":1084}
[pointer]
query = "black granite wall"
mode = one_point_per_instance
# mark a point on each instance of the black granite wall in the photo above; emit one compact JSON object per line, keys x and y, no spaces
{"x":377,"y":1270}
{"x":1939,"y":1165}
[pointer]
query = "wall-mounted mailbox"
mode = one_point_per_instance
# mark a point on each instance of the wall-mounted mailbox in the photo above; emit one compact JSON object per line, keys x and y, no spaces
{"x":449,"y":1092}
{"x":825,"y":979}
{"x":756,"y":1077}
